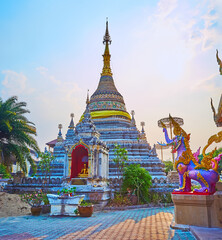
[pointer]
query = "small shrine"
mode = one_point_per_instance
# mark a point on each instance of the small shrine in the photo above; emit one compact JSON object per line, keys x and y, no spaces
{"x":82,"y":152}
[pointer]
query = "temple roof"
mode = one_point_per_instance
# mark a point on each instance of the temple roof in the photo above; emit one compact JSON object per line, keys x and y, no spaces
{"x":106,"y":97}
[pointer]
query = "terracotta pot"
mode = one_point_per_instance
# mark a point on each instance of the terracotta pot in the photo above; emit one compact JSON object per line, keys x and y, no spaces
{"x":46,"y":209}
{"x":85,"y":211}
{"x":36,"y":211}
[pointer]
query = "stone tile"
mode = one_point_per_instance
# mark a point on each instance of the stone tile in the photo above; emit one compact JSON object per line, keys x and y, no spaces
{"x":129,"y":224}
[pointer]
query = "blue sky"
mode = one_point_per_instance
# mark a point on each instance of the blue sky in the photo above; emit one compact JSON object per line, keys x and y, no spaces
{"x":162,"y":58}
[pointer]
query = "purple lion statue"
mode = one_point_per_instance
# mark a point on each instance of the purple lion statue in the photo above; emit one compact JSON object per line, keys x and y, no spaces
{"x":188,"y":165}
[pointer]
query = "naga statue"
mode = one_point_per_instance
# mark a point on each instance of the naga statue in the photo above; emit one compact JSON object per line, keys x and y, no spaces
{"x":188,"y":165}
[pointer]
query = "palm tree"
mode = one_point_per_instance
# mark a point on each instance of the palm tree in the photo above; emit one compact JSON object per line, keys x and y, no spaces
{"x":16,"y":132}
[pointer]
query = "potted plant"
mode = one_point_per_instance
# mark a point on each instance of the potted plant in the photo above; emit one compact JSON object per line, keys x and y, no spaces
{"x":85,"y":209}
{"x":34,"y":200}
{"x":66,"y":192}
{"x":46,"y":207}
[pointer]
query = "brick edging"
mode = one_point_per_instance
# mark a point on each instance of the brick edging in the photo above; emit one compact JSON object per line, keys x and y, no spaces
{"x":137,"y":206}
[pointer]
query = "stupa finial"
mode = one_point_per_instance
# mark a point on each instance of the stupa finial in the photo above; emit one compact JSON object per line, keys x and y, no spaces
{"x":142,"y":124}
{"x":60,"y":138}
{"x":133,"y":122}
{"x":87,"y":99}
{"x":107,"y":38}
{"x":106,"y":56}
{"x":71,"y":125}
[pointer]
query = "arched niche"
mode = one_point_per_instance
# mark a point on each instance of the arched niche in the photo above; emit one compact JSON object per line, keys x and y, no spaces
{"x":79,"y":158}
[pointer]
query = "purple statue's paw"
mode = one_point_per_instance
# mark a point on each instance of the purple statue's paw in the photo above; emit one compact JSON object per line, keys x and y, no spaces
{"x":179,"y":190}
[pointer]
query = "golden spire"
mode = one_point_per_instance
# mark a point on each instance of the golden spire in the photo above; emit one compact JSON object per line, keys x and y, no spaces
{"x":106,"y":56}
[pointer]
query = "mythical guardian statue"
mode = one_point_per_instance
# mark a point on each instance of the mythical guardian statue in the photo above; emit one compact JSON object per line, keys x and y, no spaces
{"x":219,"y":62}
{"x":218,"y":115}
{"x":188,"y":165}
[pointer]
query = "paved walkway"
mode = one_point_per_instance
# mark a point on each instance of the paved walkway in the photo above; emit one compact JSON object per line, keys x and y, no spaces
{"x":147,"y":223}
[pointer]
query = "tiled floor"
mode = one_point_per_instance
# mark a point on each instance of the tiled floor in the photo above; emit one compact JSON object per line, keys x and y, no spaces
{"x":147,"y":223}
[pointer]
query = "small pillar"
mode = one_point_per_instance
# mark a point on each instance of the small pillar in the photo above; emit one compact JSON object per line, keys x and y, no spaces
{"x":100,"y":164}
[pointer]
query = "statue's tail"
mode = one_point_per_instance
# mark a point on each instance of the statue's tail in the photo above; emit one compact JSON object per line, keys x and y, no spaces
{"x":215,"y":138}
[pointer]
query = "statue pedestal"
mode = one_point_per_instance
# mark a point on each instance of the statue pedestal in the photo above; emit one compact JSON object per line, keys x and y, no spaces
{"x":198,"y":210}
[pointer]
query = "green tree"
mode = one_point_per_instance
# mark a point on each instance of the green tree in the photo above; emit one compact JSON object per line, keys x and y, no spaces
{"x":168,"y":166}
{"x":138,"y":180}
{"x":16,"y":134}
{"x":120,"y":158}
{"x":45,"y":164}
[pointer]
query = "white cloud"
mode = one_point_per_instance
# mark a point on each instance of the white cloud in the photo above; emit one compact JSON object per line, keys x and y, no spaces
{"x":213,"y":83}
{"x":66,"y":89}
{"x":15,"y":83}
{"x":166,"y":7}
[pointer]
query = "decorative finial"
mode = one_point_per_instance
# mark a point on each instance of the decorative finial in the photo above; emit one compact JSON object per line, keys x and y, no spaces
{"x":71,"y":125}
{"x":59,"y":138}
{"x":87,"y":99}
{"x":142,"y":124}
{"x":106,"y":56}
{"x":107,"y":38}
{"x":133,"y":122}
{"x":219,"y":62}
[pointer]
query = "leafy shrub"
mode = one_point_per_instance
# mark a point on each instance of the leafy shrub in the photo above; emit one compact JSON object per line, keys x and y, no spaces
{"x":45,"y":199}
{"x":120,"y":200}
{"x":76,"y":211}
{"x":158,"y":198}
{"x":85,"y":204}
{"x":138,"y":180}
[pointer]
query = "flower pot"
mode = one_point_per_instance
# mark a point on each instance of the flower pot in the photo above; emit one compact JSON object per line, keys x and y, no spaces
{"x":36,"y":211}
{"x":46,"y":208}
{"x":85,"y":211}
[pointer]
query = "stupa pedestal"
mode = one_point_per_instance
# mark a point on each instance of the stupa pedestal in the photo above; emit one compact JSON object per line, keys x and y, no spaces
{"x":198,"y":210}
{"x":173,"y":177}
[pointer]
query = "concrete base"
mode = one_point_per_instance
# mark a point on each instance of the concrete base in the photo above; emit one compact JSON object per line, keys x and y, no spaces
{"x":198,"y":210}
